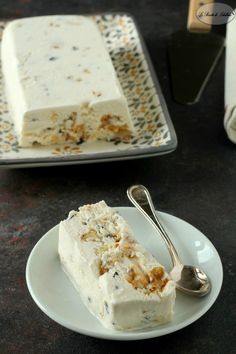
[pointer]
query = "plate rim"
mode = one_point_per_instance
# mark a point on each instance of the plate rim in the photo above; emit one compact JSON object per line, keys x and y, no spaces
{"x":73,"y":159}
{"x":125,"y":336}
{"x":118,"y":154}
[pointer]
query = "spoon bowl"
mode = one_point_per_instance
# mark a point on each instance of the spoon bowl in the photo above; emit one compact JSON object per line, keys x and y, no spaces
{"x":191,"y":280}
{"x":188,"y":279}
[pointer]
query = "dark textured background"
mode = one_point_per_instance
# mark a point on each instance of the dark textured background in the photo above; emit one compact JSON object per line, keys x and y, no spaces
{"x":196,"y":182}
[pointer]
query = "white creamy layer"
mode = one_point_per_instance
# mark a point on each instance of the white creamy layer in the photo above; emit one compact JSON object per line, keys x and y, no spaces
{"x":119,"y":281}
{"x":60,"y":82}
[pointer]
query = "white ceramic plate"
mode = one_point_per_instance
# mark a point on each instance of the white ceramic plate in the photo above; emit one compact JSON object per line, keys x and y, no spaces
{"x":57,"y":298}
{"x":154,"y":132}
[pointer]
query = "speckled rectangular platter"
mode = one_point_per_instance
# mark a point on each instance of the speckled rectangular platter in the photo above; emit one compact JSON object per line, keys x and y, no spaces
{"x":154,"y":130}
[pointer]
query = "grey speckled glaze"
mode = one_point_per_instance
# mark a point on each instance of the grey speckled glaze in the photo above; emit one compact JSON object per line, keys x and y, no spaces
{"x":197,"y":183}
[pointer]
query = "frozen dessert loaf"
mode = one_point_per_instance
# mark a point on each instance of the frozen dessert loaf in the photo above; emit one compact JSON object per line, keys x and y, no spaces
{"x":60,"y":82}
{"x":119,"y":281}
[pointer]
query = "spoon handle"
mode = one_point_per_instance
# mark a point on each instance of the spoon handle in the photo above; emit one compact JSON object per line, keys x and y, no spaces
{"x":140,"y":197}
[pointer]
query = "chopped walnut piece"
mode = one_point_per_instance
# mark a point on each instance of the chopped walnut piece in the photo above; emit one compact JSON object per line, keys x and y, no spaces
{"x":158,"y":285}
{"x":151,"y":281}
{"x":102,"y":269}
{"x":156,"y":274}
{"x":54,"y":139}
{"x":79,"y":129}
{"x":73,"y":115}
{"x":116,"y":237}
{"x":156,"y":281}
{"x":137,"y":277}
{"x":164,"y":282}
{"x":90,"y":236}
{"x":128,"y":250}
{"x":102,"y":249}
{"x":106,"y":124}
{"x":54,"y":117}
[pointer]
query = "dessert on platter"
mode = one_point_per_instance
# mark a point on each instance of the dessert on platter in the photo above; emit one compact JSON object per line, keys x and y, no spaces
{"x":60,"y":82}
{"x":119,"y":281}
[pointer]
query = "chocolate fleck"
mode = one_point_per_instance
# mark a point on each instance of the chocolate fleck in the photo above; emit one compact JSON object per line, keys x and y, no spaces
{"x":81,"y":141}
{"x":115,"y":274}
{"x":89,"y":299}
{"x":52,"y":58}
{"x":106,"y":307}
{"x":75,"y":48}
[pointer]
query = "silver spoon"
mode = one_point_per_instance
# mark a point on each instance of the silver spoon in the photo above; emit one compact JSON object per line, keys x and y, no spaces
{"x":188,"y":279}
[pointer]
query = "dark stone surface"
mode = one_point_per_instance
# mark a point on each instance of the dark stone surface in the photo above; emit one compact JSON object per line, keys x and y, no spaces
{"x":197,"y":182}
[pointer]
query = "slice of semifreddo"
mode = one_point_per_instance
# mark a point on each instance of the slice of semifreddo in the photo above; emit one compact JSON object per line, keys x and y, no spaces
{"x":119,"y":281}
{"x":60,"y":82}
